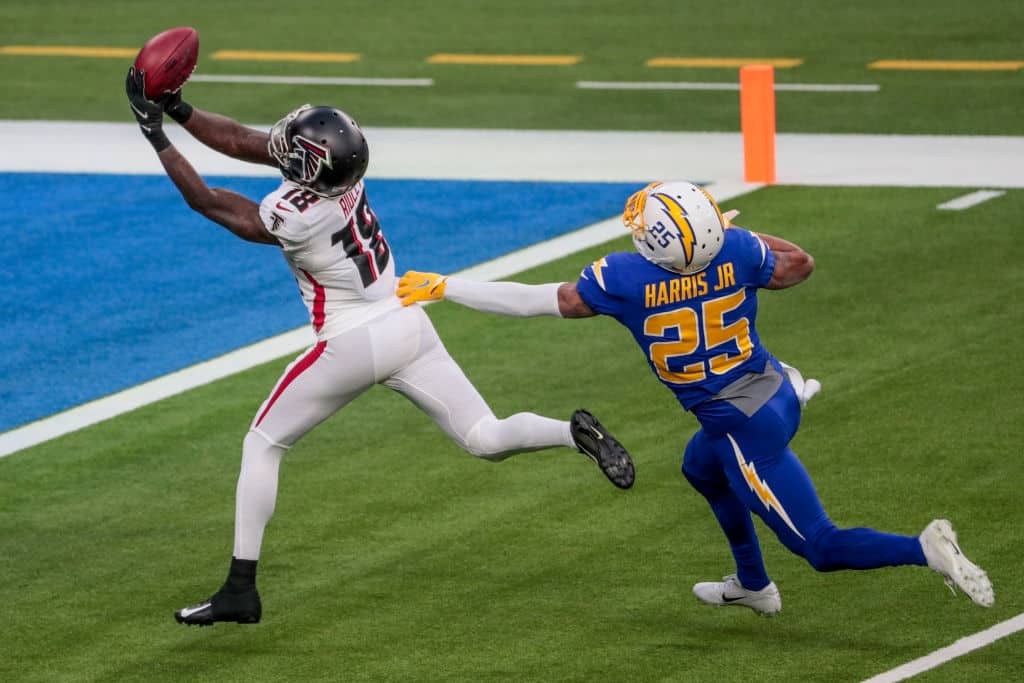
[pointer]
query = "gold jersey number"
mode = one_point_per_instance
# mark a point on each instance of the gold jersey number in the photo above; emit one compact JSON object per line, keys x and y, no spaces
{"x":715,"y":332}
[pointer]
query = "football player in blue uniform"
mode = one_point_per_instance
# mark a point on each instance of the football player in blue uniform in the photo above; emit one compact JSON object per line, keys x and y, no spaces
{"x":689,"y":298}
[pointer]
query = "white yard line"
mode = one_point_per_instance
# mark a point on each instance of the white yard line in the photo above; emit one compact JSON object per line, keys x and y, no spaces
{"x":969,"y":200}
{"x":943,"y":655}
{"x":689,"y":85}
{"x":292,"y":342}
{"x":313,"y":80}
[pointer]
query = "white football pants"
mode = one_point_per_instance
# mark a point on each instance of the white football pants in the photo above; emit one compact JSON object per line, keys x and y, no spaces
{"x":402,"y":351}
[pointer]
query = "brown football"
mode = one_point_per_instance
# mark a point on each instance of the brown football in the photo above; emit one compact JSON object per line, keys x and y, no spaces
{"x":168,"y":59}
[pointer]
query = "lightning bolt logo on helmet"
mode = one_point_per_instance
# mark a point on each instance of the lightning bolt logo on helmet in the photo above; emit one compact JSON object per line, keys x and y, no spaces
{"x":682,"y":231}
{"x":678,"y":216}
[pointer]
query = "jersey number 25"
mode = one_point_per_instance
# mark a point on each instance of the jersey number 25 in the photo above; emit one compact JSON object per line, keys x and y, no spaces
{"x":715,"y":333}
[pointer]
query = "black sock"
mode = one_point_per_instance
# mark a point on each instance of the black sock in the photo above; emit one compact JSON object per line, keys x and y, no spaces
{"x":242,"y":576}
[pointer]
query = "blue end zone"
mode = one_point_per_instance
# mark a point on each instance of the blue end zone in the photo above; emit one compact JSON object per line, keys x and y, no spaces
{"x":110,"y":281}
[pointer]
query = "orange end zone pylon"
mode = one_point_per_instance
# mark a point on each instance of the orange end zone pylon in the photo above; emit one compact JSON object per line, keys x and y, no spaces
{"x":757,"y":120}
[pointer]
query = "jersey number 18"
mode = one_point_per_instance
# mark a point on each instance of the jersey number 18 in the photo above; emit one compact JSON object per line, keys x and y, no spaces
{"x":364,"y":243}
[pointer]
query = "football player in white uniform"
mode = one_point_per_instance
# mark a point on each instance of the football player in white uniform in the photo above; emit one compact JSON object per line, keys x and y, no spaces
{"x":322,"y":221}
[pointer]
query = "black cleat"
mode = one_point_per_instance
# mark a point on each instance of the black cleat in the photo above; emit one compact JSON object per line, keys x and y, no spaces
{"x":243,"y":608}
{"x":596,"y":443}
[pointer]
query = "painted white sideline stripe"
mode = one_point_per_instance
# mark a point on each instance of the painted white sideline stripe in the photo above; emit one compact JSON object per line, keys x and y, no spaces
{"x":687,"y":85}
{"x":313,"y":80}
{"x":297,"y":340}
{"x":149,"y":392}
{"x":969,"y":200}
{"x":961,"y":161}
{"x":960,"y":647}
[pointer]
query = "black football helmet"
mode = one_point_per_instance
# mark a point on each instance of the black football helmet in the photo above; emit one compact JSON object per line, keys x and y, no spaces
{"x":321,"y":148}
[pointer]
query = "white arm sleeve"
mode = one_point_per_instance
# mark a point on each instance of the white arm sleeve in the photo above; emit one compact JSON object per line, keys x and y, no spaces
{"x":505,"y":298}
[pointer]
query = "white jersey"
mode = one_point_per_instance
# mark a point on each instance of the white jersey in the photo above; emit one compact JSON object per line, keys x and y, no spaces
{"x":337,"y":253}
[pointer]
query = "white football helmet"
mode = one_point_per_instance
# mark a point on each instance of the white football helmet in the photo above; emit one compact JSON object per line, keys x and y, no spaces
{"x":676,"y":225}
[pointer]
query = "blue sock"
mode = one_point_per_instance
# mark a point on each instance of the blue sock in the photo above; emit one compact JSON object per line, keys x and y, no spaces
{"x":734,"y":518}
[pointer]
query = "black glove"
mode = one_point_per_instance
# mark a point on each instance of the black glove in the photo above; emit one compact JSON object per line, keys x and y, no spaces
{"x":177,"y":108}
{"x":150,"y":115}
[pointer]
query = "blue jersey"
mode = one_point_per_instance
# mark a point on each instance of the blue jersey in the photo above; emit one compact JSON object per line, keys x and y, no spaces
{"x":697,"y":330}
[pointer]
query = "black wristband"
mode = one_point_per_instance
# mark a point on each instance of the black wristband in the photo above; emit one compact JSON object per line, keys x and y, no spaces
{"x":181,"y":112}
{"x":159,"y":140}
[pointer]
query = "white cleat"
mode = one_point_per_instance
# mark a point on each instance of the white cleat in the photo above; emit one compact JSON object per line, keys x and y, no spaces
{"x":731,"y":592}
{"x":938,"y":541}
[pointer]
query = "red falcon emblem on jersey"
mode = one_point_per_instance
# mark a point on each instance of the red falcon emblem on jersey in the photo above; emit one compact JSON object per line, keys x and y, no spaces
{"x":314,"y":157}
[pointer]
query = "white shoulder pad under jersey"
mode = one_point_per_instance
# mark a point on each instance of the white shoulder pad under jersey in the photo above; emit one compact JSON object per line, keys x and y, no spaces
{"x":337,"y":252}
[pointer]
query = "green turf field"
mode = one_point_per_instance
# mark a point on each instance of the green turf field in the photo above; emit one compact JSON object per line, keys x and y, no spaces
{"x":835,"y":39}
{"x":394,"y":556}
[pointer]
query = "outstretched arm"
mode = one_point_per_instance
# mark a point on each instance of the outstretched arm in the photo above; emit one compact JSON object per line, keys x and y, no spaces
{"x":793,"y":265}
{"x":504,"y":298}
{"x":219,"y":132}
{"x":238,"y":214}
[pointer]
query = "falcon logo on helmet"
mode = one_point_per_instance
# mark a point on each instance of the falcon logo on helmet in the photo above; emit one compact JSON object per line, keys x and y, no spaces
{"x":682,"y":230}
{"x":320,"y":148}
{"x":314,"y":158}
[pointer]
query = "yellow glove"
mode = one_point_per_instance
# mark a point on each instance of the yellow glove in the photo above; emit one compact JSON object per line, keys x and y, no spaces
{"x":415,"y":286}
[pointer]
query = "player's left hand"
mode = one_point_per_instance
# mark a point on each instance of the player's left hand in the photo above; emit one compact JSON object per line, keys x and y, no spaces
{"x":729,"y":215}
{"x":175,"y":107}
{"x":414,"y":287}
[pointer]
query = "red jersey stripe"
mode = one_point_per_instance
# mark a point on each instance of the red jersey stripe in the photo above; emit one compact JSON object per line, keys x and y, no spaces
{"x":319,"y":301}
{"x":296,"y":370}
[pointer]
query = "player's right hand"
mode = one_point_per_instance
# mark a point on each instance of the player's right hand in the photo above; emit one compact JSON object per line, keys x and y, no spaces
{"x":177,"y":108}
{"x":414,"y":287}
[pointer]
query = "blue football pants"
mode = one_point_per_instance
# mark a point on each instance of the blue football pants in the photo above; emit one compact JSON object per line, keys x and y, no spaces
{"x":744,"y":464}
